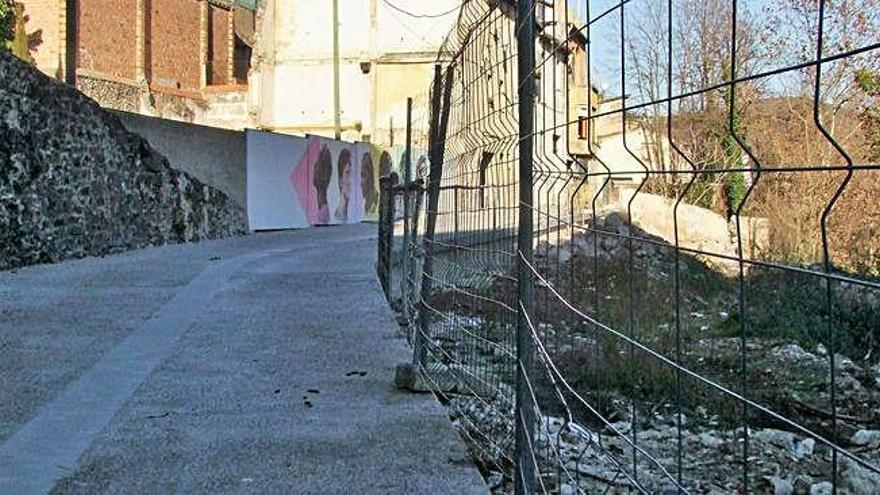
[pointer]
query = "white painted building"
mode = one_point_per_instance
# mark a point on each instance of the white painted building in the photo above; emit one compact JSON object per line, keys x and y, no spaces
{"x":386,"y":53}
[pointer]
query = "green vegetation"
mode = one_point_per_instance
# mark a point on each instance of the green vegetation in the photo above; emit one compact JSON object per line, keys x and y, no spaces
{"x":784,"y":310}
{"x":869,"y":81}
{"x":734,"y":182}
{"x":7,"y":24}
{"x":13,"y":33}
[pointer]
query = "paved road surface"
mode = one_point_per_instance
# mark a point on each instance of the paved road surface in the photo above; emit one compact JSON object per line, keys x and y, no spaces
{"x":261,"y":364}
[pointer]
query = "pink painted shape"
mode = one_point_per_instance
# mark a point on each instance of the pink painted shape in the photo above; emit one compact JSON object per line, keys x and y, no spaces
{"x":303,"y":187}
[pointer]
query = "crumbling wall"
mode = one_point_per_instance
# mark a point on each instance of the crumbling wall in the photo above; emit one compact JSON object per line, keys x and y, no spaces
{"x":74,"y":182}
{"x":117,"y":95}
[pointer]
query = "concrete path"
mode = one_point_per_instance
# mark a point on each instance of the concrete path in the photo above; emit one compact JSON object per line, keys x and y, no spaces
{"x":261,"y":364}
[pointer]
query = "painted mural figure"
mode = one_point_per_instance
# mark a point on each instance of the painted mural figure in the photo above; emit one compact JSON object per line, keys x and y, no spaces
{"x":321,"y":181}
{"x":344,"y":176}
{"x":368,"y":185}
{"x":325,"y":181}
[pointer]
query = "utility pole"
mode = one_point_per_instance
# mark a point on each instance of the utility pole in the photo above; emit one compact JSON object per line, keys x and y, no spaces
{"x":337,"y":120}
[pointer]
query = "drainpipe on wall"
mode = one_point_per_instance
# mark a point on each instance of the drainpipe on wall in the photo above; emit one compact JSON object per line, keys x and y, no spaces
{"x":230,"y":45}
{"x":374,"y":125}
{"x":337,"y":117}
{"x":203,"y":43}
{"x":70,"y":46}
{"x":145,"y":100}
{"x":140,"y":43}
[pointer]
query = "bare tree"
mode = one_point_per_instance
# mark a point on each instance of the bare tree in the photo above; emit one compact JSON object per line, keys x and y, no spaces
{"x":701,"y":59}
{"x":647,"y":59}
{"x":848,"y":25}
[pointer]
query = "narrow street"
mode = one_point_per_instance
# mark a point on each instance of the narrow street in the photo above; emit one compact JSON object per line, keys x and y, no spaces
{"x":253,"y":364}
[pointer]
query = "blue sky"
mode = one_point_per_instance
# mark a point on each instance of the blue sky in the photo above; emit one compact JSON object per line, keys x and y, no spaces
{"x":605,"y":35}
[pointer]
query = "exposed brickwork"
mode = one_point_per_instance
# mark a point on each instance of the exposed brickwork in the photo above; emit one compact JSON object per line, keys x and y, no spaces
{"x":174,"y":43}
{"x":107,"y":37}
{"x":157,"y":57}
{"x":219,"y":46}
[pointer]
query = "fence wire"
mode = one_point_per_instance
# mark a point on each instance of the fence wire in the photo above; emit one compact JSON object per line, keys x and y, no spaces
{"x":686,"y":297}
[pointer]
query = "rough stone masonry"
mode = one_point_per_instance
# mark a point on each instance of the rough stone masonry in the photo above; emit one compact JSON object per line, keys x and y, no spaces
{"x":74,"y":182}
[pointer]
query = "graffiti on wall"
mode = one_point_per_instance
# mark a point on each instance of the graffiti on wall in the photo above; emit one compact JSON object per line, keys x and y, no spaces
{"x":296,"y":182}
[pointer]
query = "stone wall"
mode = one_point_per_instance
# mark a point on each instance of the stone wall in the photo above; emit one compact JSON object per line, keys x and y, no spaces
{"x":698,"y":228}
{"x":118,"y":95}
{"x":74,"y":182}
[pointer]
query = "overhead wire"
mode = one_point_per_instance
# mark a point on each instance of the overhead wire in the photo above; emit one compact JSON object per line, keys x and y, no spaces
{"x":421,"y":16}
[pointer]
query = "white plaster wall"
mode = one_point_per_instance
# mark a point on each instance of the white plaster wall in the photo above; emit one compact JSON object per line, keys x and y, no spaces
{"x":292,"y":84}
{"x":303,"y":97}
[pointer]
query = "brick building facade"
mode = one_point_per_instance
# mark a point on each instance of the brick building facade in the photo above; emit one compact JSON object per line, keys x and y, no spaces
{"x":179,"y":59}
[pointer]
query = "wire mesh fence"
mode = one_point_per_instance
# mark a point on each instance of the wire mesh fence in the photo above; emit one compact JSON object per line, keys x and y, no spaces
{"x":641,"y":253}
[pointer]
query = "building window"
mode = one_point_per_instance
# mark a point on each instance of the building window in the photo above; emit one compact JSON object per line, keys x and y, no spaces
{"x":583,"y":128}
{"x":485,"y":160}
{"x":218,"y":46}
{"x":242,"y":61}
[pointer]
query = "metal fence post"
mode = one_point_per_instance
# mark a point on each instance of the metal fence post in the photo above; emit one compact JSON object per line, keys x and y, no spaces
{"x":455,"y":221}
{"x":386,"y":231}
{"x":407,"y":212}
{"x":525,"y":412}
{"x":418,"y":187}
{"x":437,"y":135}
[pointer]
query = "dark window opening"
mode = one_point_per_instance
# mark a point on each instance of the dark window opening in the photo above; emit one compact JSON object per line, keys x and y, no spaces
{"x":209,"y":55}
{"x":485,"y":160}
{"x":583,"y":128}
{"x":241,"y":61}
